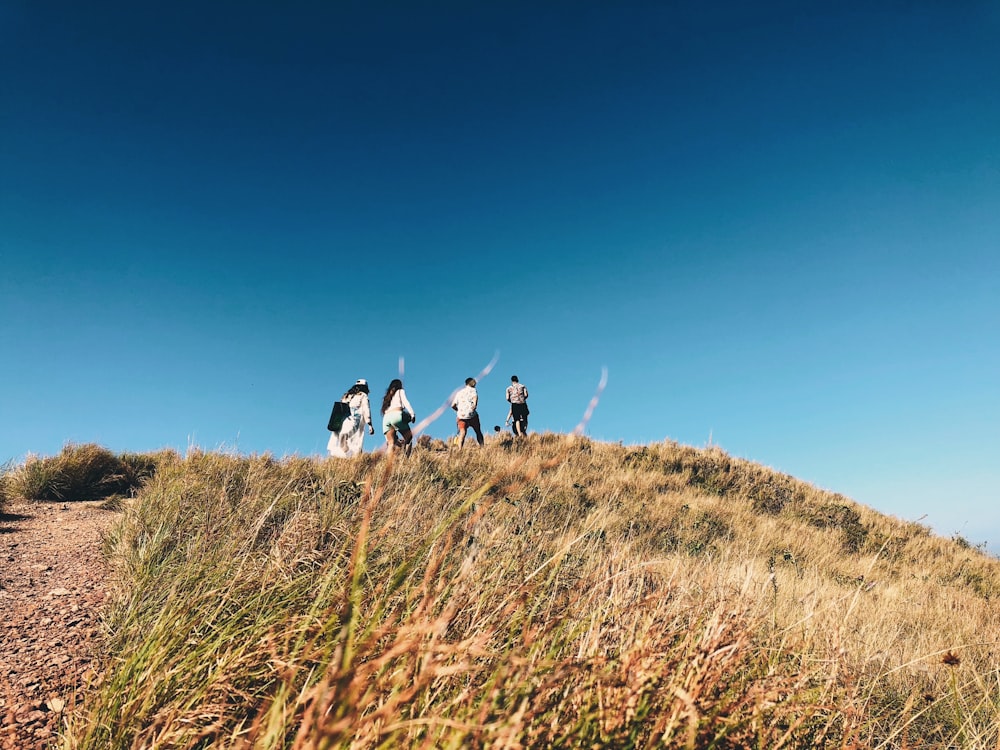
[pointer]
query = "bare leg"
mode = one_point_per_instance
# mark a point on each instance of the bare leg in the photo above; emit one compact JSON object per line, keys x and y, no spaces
{"x":407,"y":440}
{"x":524,"y":426}
{"x":461,"y":436}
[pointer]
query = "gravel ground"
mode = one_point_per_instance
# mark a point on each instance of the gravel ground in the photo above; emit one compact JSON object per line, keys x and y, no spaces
{"x":53,"y":583}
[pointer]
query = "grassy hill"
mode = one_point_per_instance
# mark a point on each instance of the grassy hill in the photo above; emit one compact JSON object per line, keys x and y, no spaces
{"x":552,"y":593}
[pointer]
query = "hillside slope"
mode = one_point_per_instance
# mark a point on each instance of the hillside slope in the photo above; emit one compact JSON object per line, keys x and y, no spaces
{"x":560,"y":592}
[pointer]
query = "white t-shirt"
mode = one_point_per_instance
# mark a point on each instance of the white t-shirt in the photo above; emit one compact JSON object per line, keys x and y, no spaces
{"x":400,"y":402}
{"x":466,"y":401}
{"x":517,"y":393}
{"x":361,"y":407}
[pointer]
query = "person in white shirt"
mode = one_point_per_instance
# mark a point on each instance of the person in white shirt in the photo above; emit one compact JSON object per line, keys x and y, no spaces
{"x":465,"y":403}
{"x":349,"y":439}
{"x":517,"y":395}
{"x":396,"y":417}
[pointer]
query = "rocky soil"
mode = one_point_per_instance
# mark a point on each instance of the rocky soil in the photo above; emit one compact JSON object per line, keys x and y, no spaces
{"x":52,"y":586}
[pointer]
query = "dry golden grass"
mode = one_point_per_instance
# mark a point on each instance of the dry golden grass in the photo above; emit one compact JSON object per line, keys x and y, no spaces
{"x":81,"y":472}
{"x":551,"y":593}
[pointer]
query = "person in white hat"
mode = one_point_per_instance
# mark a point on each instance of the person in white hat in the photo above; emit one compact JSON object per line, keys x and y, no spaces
{"x":349,"y":439}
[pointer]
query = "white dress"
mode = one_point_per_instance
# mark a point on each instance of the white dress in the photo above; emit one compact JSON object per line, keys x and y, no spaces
{"x":349,"y":440}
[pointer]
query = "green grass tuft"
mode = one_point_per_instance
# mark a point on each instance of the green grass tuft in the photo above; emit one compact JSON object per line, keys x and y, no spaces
{"x":82,"y":472}
{"x":6,"y":494}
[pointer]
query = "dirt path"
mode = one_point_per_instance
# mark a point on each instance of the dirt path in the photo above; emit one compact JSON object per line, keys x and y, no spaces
{"x":52,"y":587}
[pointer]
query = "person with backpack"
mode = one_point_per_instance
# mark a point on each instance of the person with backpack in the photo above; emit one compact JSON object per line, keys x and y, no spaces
{"x":517,"y":395}
{"x":397,"y":414}
{"x":348,"y":438}
{"x":465,"y":403}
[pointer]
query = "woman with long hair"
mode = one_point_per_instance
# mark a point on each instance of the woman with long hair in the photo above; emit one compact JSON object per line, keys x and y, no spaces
{"x":396,"y":417}
{"x":350,"y":438}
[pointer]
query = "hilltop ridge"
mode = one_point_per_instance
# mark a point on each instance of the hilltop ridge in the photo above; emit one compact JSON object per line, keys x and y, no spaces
{"x":557,"y":591}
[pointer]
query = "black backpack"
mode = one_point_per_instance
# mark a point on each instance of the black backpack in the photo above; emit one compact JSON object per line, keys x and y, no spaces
{"x":341,"y":411}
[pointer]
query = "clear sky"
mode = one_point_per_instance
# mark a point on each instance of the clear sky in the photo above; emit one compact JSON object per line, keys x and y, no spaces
{"x":777,"y":224}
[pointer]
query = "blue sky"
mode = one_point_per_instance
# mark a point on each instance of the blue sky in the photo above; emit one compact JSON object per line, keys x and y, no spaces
{"x":776,"y":224}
